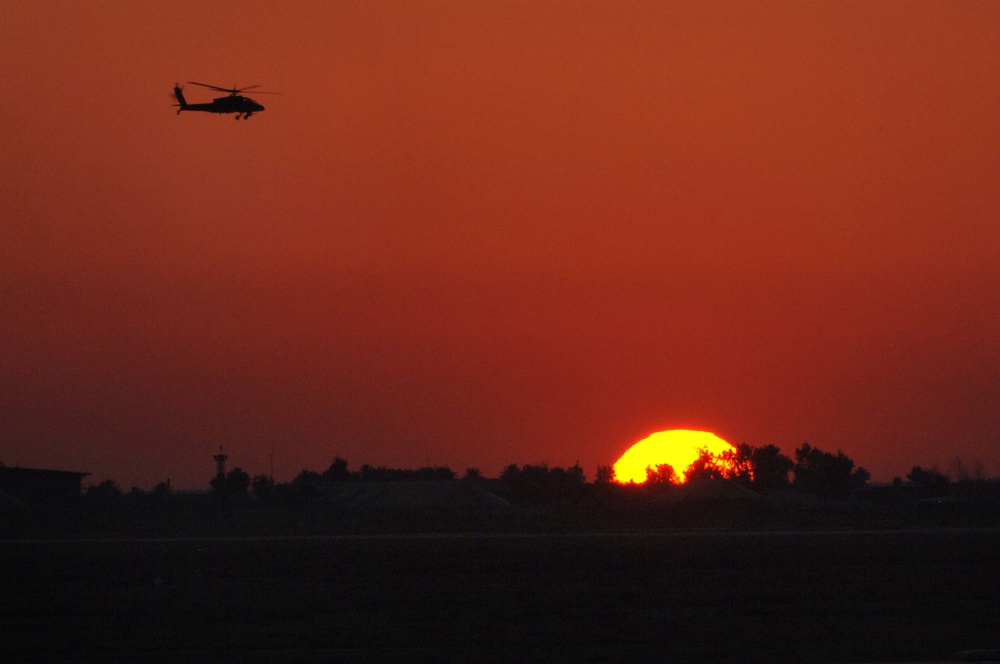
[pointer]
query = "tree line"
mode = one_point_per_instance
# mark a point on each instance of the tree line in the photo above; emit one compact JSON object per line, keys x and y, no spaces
{"x":764,"y":469}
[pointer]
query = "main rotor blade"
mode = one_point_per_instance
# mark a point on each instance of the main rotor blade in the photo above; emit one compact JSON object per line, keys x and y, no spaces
{"x":233,"y":90}
{"x":214,"y":87}
{"x":258,"y":92}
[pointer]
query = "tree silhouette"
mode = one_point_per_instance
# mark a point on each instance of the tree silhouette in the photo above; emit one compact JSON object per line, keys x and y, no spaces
{"x":959,"y":472}
{"x":337,"y":472}
{"x":161,"y":490}
{"x":369,"y":473}
{"x":302,"y":487}
{"x":511,"y":474}
{"x":104,"y":494}
{"x":707,"y":466}
{"x":763,"y":469}
{"x":825,"y":474}
{"x":262,"y":486}
{"x":660,"y":476}
{"x":307,"y":477}
{"x":236,"y":482}
{"x":929,"y":482}
{"x":539,"y":482}
{"x":442,"y":473}
{"x":737,"y":465}
{"x":605,"y":475}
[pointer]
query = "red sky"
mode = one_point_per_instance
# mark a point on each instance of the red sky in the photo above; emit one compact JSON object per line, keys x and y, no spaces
{"x":482,"y":233}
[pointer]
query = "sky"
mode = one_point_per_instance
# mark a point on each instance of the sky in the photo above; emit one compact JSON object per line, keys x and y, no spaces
{"x":481,"y":233}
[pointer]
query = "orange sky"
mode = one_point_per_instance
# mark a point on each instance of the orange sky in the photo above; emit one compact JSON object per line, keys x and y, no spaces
{"x":479,"y":233}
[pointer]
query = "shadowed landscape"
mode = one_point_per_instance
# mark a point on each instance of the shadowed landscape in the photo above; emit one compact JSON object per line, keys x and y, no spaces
{"x":387,"y":564}
{"x":710,"y":596}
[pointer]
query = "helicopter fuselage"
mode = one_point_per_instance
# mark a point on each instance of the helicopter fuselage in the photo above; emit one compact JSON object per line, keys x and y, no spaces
{"x":237,"y":104}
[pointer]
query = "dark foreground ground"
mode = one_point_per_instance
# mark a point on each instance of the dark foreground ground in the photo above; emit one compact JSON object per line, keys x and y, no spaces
{"x":727,"y":597}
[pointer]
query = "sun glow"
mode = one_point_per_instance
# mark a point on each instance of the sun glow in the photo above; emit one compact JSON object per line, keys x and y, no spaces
{"x":678,"y":447}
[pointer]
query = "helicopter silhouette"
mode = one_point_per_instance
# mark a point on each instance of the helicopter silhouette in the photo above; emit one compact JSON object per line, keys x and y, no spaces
{"x":234,"y":102}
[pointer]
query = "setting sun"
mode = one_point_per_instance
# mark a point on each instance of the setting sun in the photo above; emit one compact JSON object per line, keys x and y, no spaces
{"x":678,"y":447}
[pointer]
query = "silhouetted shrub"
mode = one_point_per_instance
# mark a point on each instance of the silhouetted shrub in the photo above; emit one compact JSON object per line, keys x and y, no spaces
{"x":825,"y":474}
{"x":262,"y":487}
{"x":337,"y":472}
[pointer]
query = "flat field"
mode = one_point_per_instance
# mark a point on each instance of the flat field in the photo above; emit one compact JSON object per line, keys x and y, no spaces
{"x":677,"y":596}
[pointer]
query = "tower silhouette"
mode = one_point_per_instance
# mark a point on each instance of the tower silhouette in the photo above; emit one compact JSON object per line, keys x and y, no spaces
{"x":220,"y":464}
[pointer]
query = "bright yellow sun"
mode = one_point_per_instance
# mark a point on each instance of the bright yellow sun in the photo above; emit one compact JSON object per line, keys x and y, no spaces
{"x":678,"y":447}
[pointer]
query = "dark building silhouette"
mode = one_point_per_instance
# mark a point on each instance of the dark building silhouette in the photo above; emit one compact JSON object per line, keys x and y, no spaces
{"x":35,"y":485}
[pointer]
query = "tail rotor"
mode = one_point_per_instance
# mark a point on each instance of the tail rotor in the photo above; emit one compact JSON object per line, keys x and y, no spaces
{"x":179,"y":95}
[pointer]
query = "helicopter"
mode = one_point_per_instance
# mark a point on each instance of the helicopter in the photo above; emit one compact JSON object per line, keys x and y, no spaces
{"x":234,"y":102}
